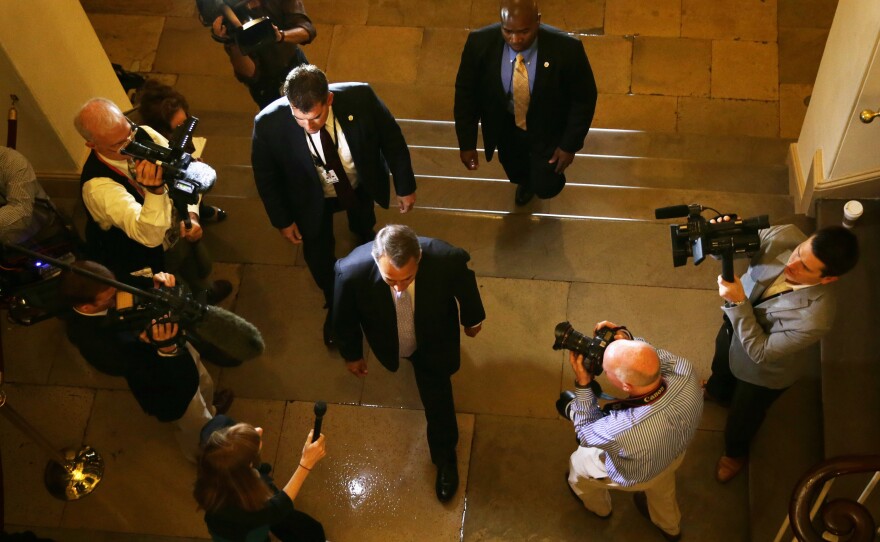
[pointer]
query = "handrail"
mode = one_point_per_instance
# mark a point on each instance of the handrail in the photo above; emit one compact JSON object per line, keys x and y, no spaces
{"x":845,"y":518}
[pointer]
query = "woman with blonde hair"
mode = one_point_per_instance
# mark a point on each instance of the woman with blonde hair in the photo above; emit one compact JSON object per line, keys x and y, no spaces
{"x":240,"y":500}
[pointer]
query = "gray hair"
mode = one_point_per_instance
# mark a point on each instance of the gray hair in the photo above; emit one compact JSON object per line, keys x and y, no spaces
{"x":399,"y":243}
{"x":96,"y":115}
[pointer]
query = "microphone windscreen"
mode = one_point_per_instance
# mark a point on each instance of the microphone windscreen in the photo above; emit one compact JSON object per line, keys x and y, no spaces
{"x":320,"y":408}
{"x":675,"y":211}
{"x":202,"y":175}
{"x":230,"y":333}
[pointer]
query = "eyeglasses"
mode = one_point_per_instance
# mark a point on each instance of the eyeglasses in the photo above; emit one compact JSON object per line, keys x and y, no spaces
{"x":118,"y":147}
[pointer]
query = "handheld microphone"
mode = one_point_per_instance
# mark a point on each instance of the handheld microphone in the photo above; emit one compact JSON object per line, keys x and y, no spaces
{"x":320,"y":410}
{"x":675,"y":211}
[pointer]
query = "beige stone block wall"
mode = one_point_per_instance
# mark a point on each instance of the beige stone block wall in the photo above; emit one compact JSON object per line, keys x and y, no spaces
{"x":745,"y":69}
{"x":643,"y":17}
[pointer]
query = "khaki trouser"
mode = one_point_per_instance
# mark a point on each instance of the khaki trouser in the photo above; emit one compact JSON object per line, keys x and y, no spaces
{"x":660,"y":490}
{"x":197,"y":414}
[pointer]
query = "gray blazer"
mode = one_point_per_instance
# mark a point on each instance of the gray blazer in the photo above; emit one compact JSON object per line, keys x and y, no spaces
{"x":769,"y":338}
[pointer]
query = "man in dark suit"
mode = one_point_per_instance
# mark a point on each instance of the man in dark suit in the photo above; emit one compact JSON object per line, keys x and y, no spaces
{"x":322,"y":149}
{"x":409,"y":295}
{"x":532,"y":88}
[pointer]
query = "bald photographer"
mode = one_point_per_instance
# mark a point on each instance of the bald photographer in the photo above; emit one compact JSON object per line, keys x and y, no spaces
{"x":637,"y":443}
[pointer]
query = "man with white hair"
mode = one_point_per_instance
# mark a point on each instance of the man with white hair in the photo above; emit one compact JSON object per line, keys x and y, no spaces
{"x":637,"y":443}
{"x":131,"y":223}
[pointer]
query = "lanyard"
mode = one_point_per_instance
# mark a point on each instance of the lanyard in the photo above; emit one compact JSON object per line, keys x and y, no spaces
{"x":635,"y":402}
{"x":316,"y":156}
{"x":134,"y":184}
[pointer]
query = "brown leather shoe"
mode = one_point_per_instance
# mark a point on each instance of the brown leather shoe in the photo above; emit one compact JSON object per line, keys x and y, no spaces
{"x":728,"y":467}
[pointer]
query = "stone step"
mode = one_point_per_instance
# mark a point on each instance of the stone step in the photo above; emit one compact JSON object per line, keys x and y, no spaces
{"x":715,"y":149}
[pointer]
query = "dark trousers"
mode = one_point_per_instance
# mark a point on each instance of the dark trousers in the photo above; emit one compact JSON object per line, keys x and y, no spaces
{"x":524,"y":165}
{"x":267,"y":88}
{"x":748,"y":402}
{"x":319,"y":251}
{"x":435,"y":391}
{"x":299,"y":527}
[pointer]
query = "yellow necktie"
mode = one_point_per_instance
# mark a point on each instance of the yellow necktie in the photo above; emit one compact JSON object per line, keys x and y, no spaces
{"x":521,"y":93}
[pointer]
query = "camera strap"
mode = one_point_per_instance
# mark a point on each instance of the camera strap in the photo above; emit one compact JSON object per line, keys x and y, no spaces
{"x":637,"y":401}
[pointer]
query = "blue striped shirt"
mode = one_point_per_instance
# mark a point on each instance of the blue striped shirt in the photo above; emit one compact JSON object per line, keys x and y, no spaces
{"x":639,"y":443}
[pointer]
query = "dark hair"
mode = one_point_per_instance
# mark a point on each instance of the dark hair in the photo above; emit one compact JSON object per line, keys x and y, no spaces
{"x":837,"y":248}
{"x":305,"y":87}
{"x":158,"y":104}
{"x":226,"y":473}
{"x":75,"y":289}
{"x":400,"y":243}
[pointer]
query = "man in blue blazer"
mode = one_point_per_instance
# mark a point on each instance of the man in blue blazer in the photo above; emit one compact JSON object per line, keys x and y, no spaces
{"x":322,"y":149}
{"x":532,"y":88}
{"x":409,"y":296}
{"x":784,"y":303}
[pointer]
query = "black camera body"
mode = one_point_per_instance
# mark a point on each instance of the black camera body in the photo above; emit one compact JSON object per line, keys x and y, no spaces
{"x":185,"y":177}
{"x":698,"y":238}
{"x":593,"y":349}
{"x":248,"y":32}
{"x":175,"y":305}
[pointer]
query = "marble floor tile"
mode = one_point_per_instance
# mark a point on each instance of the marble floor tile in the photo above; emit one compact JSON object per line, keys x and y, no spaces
{"x":147,"y":485}
{"x":440,"y":55}
{"x":165,"y":8}
{"x":393,"y":390}
{"x":338,"y":11}
{"x":353,"y":54}
{"x":753,"y":20}
{"x":286,"y":306}
{"x":29,"y":358}
{"x":636,"y":112}
{"x":88,"y":535}
{"x":129,"y":40}
{"x":718,"y":116}
{"x":59,"y":414}
{"x":513,"y":351}
{"x":647,"y":312}
{"x":671,"y":67}
{"x":800,"y":52}
{"x":635,"y":17}
{"x":806,"y":13}
{"x":377,"y":477}
{"x":745,"y":69}
{"x":611,"y":61}
{"x":246,"y":235}
{"x":793,"y":101}
{"x":186,"y":47}
{"x":434,"y":13}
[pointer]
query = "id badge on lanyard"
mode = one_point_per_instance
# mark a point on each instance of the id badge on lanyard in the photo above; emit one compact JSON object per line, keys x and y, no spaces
{"x":328,"y":176}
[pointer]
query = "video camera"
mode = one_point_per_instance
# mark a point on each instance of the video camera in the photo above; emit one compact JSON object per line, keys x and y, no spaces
{"x":698,"y":238}
{"x":185,"y":177}
{"x":174,"y":304}
{"x":248,"y":32}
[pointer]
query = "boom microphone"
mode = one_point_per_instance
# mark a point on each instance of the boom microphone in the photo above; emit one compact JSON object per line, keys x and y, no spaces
{"x":320,"y":410}
{"x":675,"y":211}
{"x":229,"y":333}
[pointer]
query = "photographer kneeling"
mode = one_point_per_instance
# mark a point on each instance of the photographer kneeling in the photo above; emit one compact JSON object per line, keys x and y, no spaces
{"x":168,"y":381}
{"x":634,"y":444}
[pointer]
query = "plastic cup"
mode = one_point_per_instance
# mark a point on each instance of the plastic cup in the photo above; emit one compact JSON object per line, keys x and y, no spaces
{"x":851,"y":212}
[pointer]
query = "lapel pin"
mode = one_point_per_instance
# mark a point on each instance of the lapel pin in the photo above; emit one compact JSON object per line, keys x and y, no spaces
{"x":350,"y":118}
{"x":546,"y":64}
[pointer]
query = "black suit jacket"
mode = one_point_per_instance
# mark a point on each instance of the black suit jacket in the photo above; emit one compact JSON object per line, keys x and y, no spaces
{"x":285,"y":173}
{"x":363,"y":306}
{"x":563,"y":98}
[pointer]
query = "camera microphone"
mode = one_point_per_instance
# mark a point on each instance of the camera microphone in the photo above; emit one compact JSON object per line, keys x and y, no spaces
{"x":320,"y":410}
{"x":675,"y":211}
{"x":229,"y":333}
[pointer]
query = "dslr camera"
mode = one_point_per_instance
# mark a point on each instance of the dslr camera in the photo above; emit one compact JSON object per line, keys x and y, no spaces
{"x":185,"y":177}
{"x":698,"y":238}
{"x":248,"y":32}
{"x":593,"y":350}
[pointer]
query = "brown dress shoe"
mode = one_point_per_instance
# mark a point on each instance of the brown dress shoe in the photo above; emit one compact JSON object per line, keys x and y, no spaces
{"x":728,"y":467}
{"x":223,"y":400}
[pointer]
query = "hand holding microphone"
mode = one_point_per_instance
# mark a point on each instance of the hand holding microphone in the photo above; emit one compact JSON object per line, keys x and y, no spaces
{"x":320,"y":410}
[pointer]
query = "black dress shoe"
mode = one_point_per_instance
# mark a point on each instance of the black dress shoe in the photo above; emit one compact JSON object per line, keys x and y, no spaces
{"x":447,"y":481}
{"x":219,"y":290}
{"x":223,"y":400}
{"x":524,"y":194}
{"x":641,"y":501}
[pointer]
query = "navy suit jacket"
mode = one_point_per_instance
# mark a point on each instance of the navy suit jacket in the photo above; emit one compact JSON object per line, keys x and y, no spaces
{"x":444,"y":286}
{"x":285,"y":173}
{"x":563,"y":98}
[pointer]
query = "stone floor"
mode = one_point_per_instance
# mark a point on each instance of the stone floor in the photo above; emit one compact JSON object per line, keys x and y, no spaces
{"x":742,"y":68}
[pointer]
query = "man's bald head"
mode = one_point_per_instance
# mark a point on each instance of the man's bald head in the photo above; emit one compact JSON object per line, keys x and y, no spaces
{"x":519,"y":8}
{"x":96,"y":116}
{"x":631,"y":364}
